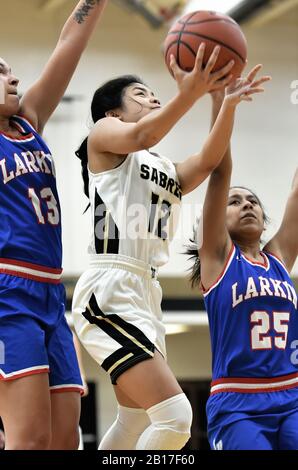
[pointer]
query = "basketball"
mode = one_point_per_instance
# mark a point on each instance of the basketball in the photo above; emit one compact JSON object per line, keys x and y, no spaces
{"x":186,"y":35}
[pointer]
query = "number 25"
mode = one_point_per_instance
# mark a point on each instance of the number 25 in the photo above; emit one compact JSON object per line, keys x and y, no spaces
{"x":261,"y":327}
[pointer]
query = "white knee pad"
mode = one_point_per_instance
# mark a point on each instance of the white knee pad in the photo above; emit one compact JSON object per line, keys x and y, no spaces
{"x":126,"y":430}
{"x":170,"y":425}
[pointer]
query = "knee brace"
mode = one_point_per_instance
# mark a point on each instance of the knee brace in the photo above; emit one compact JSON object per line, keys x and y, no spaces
{"x":126,"y":430}
{"x":170,"y":425}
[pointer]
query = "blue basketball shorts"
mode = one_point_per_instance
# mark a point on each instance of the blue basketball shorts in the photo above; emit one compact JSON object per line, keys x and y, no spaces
{"x":276,"y":431}
{"x":34,"y":335}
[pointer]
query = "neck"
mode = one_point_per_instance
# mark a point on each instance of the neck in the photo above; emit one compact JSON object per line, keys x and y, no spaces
{"x":5,"y":124}
{"x":250,"y":249}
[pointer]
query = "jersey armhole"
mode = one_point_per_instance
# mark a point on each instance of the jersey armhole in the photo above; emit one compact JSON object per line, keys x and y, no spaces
{"x":27,"y":121}
{"x":222,"y":274}
{"x":278,"y":259}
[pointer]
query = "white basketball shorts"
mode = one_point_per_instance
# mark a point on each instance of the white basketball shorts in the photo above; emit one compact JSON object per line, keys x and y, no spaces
{"x":117,"y":312}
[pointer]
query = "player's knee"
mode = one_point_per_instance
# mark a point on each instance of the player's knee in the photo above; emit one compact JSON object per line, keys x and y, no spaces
{"x":174,"y":414}
{"x":132,"y":420}
{"x":40,"y":442}
{"x":32,"y":441}
{"x":73,"y":441}
{"x":170,"y":425}
{"x":69,"y":440}
{"x":184,"y":416}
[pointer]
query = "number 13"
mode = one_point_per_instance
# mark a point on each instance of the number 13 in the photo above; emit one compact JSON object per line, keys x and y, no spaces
{"x":53,"y":216}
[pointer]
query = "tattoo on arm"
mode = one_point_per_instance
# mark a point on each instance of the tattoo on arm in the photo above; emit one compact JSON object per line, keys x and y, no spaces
{"x":82,"y":13}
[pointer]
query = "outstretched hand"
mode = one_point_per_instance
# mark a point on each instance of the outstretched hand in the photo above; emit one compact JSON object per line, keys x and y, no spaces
{"x":201,"y":79}
{"x":244,"y":88}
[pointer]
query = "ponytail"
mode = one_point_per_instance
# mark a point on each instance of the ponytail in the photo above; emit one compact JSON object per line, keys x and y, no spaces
{"x":195,"y":270}
{"x":82,"y":154}
{"x":192,"y":249}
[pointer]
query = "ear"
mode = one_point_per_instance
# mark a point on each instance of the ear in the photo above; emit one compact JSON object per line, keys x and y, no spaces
{"x":112,"y":114}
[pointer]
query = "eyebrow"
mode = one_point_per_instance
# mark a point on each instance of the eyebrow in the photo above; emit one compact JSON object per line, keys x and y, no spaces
{"x":239,"y":196}
{"x":143,"y":89}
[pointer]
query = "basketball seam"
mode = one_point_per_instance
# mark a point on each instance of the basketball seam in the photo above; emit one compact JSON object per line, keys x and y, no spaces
{"x":184,"y":44}
{"x":190,"y":15}
{"x":190,"y":33}
{"x":179,"y":38}
{"x":210,"y":21}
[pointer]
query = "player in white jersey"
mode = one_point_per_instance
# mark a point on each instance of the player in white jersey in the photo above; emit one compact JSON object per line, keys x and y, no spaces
{"x":39,"y":375}
{"x":133,"y":196}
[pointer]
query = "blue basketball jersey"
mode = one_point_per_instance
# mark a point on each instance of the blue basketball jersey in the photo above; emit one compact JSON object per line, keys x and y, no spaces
{"x":252,"y":310}
{"x":30,"y":229}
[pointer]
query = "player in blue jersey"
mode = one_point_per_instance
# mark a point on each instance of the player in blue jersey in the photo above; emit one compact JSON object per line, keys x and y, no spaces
{"x":36,"y":348}
{"x":252,"y":308}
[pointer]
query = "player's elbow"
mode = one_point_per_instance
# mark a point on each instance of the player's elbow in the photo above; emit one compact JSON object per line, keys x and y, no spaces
{"x":208,"y":168}
{"x":204,"y":168}
{"x":210,"y":160}
{"x":189,"y":182}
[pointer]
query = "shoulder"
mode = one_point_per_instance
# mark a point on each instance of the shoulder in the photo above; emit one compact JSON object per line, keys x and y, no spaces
{"x":102,"y":129}
{"x":105,"y":123}
{"x":272,"y":249}
{"x":217,"y":272}
{"x":275,"y":256}
{"x":31,"y":117}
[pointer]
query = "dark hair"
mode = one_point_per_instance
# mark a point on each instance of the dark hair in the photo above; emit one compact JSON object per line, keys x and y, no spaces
{"x":192,"y":249}
{"x":106,"y":98}
{"x":195,"y":270}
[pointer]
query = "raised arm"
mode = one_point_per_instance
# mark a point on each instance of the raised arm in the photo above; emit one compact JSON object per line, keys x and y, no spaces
{"x":194,"y":170}
{"x":216,"y":239}
{"x":40,"y":101}
{"x":285,"y":243}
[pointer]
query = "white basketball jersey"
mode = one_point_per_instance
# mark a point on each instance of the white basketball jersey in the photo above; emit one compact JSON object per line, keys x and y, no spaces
{"x":135,"y":208}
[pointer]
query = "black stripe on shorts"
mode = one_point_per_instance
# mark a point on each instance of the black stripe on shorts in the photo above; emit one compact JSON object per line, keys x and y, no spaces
{"x":129,"y":347}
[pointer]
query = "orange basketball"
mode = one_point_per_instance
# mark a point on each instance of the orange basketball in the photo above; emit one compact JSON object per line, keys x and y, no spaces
{"x":186,"y":35}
